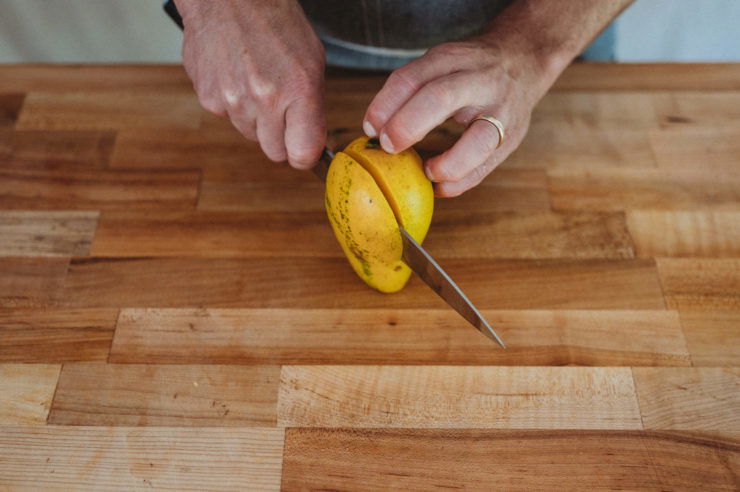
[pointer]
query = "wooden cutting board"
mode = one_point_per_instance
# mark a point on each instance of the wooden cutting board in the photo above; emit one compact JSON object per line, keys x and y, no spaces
{"x":175,"y":313}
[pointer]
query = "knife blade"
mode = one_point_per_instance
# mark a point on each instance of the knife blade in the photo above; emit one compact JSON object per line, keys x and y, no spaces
{"x":423,"y":265}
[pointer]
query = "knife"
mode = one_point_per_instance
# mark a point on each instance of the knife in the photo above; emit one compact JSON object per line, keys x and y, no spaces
{"x":423,"y":265}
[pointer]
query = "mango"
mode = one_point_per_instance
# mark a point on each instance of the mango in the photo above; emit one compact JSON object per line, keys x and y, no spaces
{"x":369,"y":193}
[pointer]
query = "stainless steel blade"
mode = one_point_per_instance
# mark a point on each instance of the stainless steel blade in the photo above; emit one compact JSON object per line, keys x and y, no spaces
{"x":435,"y":277}
{"x":322,"y":167}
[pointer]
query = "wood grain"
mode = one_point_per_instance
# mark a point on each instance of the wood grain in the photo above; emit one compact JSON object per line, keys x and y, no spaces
{"x":249,"y":196}
{"x":704,"y":284}
{"x":709,"y":108}
{"x":215,"y":234}
{"x":64,"y":458}
{"x":292,"y":283}
{"x":10,"y":106}
{"x":108,"y":110}
{"x":46,"y":233}
{"x":56,"y":335}
{"x":22,"y":188}
{"x":714,"y":148}
{"x":684,"y":234}
{"x":472,"y":234}
{"x":482,"y":459}
{"x":712,"y":337}
{"x":31,"y":282}
{"x":364,"y":336}
{"x":689,"y":398}
{"x":162,"y":395}
{"x":613,"y":189}
{"x":444,"y":396}
{"x":54,"y":149}
{"x":27,"y":390}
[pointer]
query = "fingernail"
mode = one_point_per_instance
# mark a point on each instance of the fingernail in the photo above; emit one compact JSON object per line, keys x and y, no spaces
{"x":385,"y":142}
{"x":369,"y":130}
{"x":428,"y":172}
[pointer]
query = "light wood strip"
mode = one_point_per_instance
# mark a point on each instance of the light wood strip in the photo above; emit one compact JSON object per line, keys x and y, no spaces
{"x":330,"y":283}
{"x":64,"y":458}
{"x":703,"y":284}
{"x":27,"y":390}
{"x":712,"y":337}
{"x":425,"y":459}
{"x":709,"y":108}
{"x":55,"y":149}
{"x":31,"y":282}
{"x":700,"y":398}
{"x":163,"y":395}
{"x":24,"y":188}
{"x":10,"y":106}
{"x":363,"y":336}
{"x":444,"y":396}
{"x":46,"y":233}
{"x":108,"y":110}
{"x":56,"y":335}
{"x":612,"y":189}
{"x":684,"y":234}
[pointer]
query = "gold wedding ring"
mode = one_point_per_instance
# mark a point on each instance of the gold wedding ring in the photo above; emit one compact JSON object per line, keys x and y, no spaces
{"x":499,"y":126}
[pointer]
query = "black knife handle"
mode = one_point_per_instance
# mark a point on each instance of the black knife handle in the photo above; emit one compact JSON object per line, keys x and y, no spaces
{"x":171,"y":10}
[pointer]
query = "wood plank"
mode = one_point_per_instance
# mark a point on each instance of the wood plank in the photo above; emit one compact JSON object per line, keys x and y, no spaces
{"x":46,"y":233}
{"x":164,"y":395}
{"x":472,"y":234}
{"x":94,"y":78}
{"x":454,"y":234}
{"x":31,"y":282}
{"x":10,"y":106}
{"x":54,"y":149}
{"x":363,"y":336}
{"x":503,"y":190}
{"x":447,"y":396}
{"x":262,"y":196}
{"x":27,"y":390}
{"x":612,"y":189}
{"x":294,"y":283}
{"x":712,"y":337}
{"x":650,"y":76}
{"x":684,"y":234}
{"x":68,"y":189}
{"x":64,"y":458}
{"x":709,"y":108}
{"x":215,"y":234}
{"x":701,"y":398}
{"x":715,"y":149}
{"x":56,"y":335}
{"x":703,"y":284}
{"x":488,"y":459}
{"x":87,"y":110}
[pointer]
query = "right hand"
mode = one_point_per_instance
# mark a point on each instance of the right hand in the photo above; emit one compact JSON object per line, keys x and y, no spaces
{"x":260,"y":63}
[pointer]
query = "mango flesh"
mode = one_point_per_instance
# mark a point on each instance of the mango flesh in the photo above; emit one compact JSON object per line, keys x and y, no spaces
{"x":368,"y":193}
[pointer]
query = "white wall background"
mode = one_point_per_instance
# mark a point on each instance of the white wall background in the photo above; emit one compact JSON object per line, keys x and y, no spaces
{"x":139,"y":31}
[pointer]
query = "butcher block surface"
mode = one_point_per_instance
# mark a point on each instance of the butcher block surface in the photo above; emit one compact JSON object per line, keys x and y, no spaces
{"x":176,"y":314}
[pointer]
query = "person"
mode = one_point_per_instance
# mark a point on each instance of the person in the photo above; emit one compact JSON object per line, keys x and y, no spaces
{"x":261,"y":63}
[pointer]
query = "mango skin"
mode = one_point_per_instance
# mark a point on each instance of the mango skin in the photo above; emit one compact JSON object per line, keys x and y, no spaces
{"x":363,"y":190}
{"x":402,"y":180}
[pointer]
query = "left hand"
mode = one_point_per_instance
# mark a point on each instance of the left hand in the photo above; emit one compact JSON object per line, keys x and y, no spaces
{"x":459,"y":80}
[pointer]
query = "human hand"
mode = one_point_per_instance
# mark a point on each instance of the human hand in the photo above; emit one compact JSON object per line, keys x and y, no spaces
{"x":259,"y":63}
{"x":460,"y":80}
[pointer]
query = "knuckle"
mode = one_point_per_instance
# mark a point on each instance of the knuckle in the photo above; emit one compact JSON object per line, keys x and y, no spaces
{"x":440,"y":94}
{"x":403,"y":77}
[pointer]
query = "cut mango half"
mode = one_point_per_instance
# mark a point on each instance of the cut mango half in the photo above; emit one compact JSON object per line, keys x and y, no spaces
{"x":368,"y":194}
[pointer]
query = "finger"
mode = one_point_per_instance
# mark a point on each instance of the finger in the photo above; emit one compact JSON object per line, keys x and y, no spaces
{"x":472,"y":179}
{"x":428,"y":108}
{"x":271,"y":135}
{"x":245,"y":124}
{"x":476,"y":145}
{"x":398,"y":89}
{"x":305,"y":132}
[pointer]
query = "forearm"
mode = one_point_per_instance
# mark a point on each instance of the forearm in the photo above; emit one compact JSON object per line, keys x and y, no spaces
{"x":552,"y":32}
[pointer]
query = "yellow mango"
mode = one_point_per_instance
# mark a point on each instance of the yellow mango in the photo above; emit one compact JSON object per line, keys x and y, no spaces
{"x":368,"y":194}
